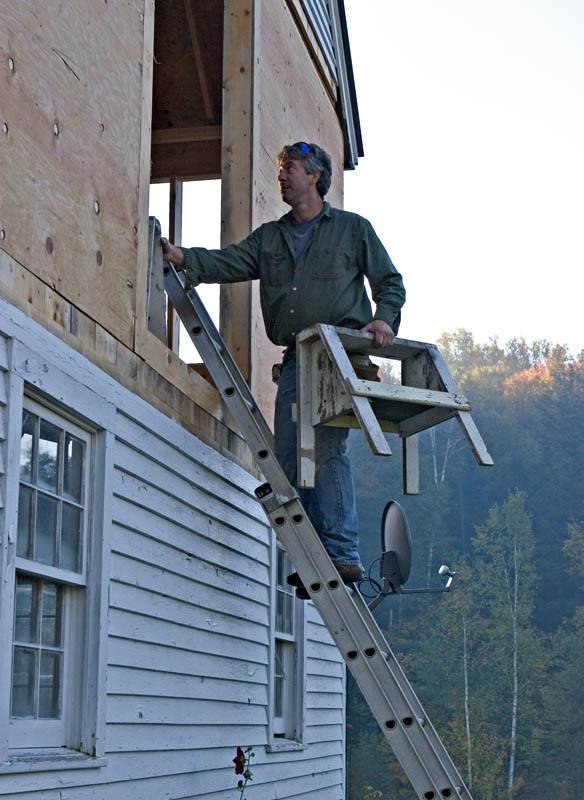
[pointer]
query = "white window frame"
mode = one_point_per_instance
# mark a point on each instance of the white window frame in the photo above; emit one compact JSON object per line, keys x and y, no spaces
{"x":61,"y":732}
{"x":84,"y":728}
{"x":287,"y":731}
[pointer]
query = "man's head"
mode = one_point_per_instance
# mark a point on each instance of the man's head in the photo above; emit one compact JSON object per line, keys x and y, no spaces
{"x":314,"y":160}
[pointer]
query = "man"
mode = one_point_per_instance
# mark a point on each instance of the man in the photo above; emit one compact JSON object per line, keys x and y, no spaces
{"x":311,"y":265}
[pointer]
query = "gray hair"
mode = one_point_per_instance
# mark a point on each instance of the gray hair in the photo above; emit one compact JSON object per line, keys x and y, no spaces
{"x":314,"y":159}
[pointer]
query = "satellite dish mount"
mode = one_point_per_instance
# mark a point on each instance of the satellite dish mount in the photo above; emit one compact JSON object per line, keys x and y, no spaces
{"x":396,"y":558}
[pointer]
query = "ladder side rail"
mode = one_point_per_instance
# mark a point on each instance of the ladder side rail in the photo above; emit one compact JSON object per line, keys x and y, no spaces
{"x":155,"y":300}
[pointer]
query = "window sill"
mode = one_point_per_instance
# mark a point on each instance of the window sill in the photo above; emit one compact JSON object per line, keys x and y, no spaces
{"x":284,"y":746}
{"x":46,"y":760}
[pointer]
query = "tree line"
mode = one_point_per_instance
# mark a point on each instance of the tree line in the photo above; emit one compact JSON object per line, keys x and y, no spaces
{"x":498,"y":662}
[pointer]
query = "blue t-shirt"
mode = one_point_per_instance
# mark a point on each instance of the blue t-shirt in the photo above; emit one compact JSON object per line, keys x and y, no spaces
{"x":303,"y":233}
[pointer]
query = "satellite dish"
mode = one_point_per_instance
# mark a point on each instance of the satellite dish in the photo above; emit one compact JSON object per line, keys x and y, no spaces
{"x":395,"y":537}
{"x":395,"y":563}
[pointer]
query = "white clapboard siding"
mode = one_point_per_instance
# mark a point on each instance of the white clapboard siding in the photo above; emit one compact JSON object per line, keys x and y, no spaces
{"x":189,"y":638}
{"x":217,"y":785}
{"x":130,"y":767}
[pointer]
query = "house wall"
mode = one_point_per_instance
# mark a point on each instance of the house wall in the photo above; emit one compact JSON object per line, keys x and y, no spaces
{"x":187,"y":553}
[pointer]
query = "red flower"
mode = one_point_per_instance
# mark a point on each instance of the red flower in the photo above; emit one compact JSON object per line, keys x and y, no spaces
{"x":239,"y":761}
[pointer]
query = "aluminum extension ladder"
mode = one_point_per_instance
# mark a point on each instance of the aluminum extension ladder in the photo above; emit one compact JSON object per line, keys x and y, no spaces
{"x":361,"y":643}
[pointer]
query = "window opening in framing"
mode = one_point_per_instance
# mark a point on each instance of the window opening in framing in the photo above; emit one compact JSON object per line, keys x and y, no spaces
{"x":200,"y":224}
{"x":186,"y":135}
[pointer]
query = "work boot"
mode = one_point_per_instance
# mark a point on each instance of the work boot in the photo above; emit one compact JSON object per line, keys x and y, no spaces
{"x":294,"y":580}
{"x":350,"y":573}
{"x":364,"y":367}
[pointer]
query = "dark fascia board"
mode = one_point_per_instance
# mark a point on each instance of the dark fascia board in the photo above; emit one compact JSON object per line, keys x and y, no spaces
{"x":347,"y":92}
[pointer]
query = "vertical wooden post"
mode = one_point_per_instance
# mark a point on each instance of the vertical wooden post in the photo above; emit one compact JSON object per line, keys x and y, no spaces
{"x":413,"y":373}
{"x":238,"y":155}
{"x":141,"y":333}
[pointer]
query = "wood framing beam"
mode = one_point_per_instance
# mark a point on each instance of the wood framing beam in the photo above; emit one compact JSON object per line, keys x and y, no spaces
{"x":199,"y":63}
{"x":238,"y":156}
{"x":186,"y":160}
{"x":194,"y":133}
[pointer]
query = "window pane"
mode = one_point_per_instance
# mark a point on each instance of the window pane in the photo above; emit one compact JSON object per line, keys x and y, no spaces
{"x":51,"y":617}
{"x":73,"y":468}
{"x":278,"y":697}
{"x":280,"y":567}
{"x":23,"y":683}
{"x":23,"y":535}
{"x":46,"y":530}
{"x":26,"y":446}
{"x":70,"y":537}
{"x":49,"y":690}
{"x":48,"y":456}
{"x":26,"y":610}
{"x":283,"y":568}
{"x":279,"y":680}
{"x":284,"y":612}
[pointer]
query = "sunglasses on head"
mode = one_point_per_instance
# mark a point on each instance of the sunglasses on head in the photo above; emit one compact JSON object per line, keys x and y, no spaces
{"x":303,"y":147}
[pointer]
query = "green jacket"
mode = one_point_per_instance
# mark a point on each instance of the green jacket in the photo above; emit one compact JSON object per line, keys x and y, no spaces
{"x":327,"y":283}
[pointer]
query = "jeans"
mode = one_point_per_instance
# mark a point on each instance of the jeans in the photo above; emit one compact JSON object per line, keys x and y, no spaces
{"x":331,"y":504}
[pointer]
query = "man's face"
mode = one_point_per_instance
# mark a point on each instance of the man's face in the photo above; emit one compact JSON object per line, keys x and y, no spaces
{"x":295,"y":184}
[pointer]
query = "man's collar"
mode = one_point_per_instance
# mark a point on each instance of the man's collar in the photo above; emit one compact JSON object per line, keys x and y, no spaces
{"x":287,"y":218}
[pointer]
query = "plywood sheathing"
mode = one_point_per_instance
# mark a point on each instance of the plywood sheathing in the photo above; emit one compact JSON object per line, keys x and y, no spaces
{"x":171,"y":396}
{"x":71,"y":86}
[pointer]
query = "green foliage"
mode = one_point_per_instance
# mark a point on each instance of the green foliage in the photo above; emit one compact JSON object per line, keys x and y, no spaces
{"x":509,"y":636}
{"x":574,"y":549}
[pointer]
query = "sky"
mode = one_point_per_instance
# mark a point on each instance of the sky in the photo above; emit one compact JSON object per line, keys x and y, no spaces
{"x":472,"y":117}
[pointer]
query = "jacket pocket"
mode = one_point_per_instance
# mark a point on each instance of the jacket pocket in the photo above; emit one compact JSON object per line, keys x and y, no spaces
{"x":329,"y":263}
{"x":274,"y":268}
